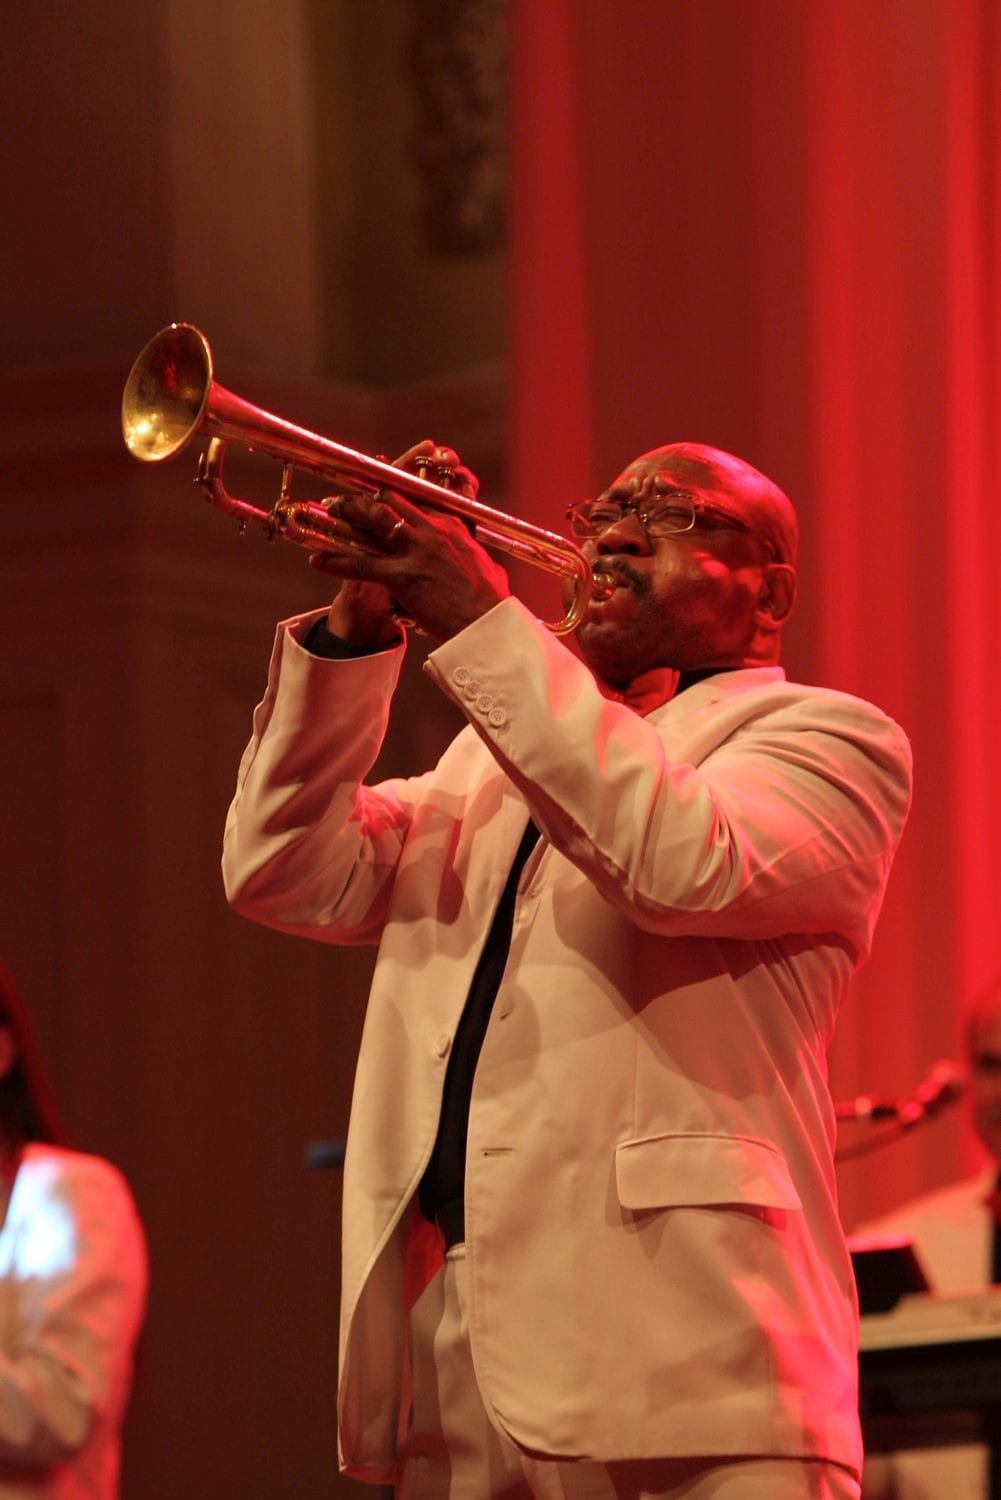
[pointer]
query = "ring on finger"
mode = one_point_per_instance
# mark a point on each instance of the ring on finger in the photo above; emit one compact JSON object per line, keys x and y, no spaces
{"x":397,"y":526}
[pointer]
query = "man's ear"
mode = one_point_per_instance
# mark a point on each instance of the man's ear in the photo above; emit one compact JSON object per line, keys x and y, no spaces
{"x":8,"y":1050}
{"x":778,"y":592}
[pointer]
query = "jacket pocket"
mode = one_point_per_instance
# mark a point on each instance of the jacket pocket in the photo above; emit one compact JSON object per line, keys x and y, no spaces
{"x":673,"y":1171}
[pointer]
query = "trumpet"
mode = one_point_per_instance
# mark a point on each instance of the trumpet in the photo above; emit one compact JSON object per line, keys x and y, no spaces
{"x":171,"y":396}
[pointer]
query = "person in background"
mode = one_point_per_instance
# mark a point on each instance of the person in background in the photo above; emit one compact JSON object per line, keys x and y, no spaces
{"x":592,"y":1247}
{"x":956,"y":1235}
{"x":73,"y":1277}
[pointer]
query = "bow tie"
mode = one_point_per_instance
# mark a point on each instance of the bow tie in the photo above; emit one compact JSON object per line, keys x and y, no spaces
{"x":646,"y":692}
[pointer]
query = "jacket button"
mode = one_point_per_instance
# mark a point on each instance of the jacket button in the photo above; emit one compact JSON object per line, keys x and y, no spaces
{"x":471,"y":688}
{"x":484,"y":703}
{"x":461,"y":676}
{"x":496,"y":718}
{"x":443,"y":1043}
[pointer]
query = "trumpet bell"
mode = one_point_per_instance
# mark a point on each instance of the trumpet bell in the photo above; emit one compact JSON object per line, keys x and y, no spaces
{"x":170,"y":396}
{"x":164,"y":400}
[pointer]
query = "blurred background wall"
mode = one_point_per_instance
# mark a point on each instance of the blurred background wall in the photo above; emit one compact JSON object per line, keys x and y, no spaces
{"x":554,"y":233}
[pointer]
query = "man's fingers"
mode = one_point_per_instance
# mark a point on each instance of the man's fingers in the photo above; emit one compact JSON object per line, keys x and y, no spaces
{"x":415,"y":456}
{"x":375,"y":517}
{"x":434,"y":456}
{"x":355,"y":562}
{"x":466,"y":481}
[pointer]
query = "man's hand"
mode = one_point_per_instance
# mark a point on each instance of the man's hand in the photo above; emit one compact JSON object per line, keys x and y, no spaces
{"x":398,"y":553}
{"x":362,"y":613}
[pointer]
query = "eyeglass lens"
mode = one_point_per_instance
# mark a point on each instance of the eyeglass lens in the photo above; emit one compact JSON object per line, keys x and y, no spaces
{"x":661,"y":514}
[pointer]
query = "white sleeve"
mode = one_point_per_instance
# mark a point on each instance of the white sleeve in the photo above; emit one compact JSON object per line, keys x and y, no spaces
{"x":308,"y":848}
{"x":74,"y":1287}
{"x":783,"y":818}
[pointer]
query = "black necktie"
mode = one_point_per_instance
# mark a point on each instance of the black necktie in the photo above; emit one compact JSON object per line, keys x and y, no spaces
{"x":442,"y":1184}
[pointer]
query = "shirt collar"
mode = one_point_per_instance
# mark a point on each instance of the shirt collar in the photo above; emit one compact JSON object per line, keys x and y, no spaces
{"x":653,"y":689}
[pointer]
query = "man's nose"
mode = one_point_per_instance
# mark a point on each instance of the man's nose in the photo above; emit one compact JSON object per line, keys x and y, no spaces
{"x":627,"y":534}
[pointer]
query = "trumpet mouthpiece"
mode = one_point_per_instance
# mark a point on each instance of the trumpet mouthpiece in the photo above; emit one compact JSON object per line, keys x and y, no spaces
{"x":603,"y":584}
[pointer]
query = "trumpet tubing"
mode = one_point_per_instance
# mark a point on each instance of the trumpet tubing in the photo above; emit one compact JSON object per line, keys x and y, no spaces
{"x":171,"y":397}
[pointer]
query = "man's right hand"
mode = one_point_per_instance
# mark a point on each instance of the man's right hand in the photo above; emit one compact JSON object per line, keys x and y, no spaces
{"x":362,"y":613}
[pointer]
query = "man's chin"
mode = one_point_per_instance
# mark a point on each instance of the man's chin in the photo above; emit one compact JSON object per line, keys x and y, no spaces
{"x":605,"y":641}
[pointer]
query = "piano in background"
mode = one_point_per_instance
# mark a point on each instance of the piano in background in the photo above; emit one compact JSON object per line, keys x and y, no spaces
{"x":929,"y":1362}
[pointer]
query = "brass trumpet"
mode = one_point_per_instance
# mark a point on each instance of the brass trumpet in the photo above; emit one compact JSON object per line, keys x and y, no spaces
{"x":170,"y":396}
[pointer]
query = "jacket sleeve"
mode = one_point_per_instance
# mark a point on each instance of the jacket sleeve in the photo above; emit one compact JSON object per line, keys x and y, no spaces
{"x":75,"y":1293}
{"x":309,"y":849}
{"x":781,"y":816}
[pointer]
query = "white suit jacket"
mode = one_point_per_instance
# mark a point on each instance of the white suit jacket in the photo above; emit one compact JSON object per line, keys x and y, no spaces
{"x":72,"y":1296}
{"x":656,"y":1263}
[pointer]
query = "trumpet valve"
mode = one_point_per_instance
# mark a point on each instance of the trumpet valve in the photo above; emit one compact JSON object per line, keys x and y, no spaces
{"x":440,"y":474}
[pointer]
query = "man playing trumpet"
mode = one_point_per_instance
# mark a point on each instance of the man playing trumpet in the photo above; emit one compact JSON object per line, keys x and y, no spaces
{"x":591,"y":1243}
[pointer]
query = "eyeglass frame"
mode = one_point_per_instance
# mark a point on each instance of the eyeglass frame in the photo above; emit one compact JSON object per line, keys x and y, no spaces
{"x":637,"y":509}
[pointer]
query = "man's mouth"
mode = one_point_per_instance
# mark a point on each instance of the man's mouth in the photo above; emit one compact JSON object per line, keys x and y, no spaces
{"x":610,"y":577}
{"x":603,"y":584}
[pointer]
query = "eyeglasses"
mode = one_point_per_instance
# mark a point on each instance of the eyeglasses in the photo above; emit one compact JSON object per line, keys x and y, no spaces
{"x":666,"y":514}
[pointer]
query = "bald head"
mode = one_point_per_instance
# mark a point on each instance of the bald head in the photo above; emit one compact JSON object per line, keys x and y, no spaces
{"x":751,"y":495}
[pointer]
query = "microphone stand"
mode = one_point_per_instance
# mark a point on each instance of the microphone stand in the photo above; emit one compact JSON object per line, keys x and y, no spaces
{"x":945,"y":1083}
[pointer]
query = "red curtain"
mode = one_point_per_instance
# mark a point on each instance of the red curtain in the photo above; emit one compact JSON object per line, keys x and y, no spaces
{"x":774,"y":227}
